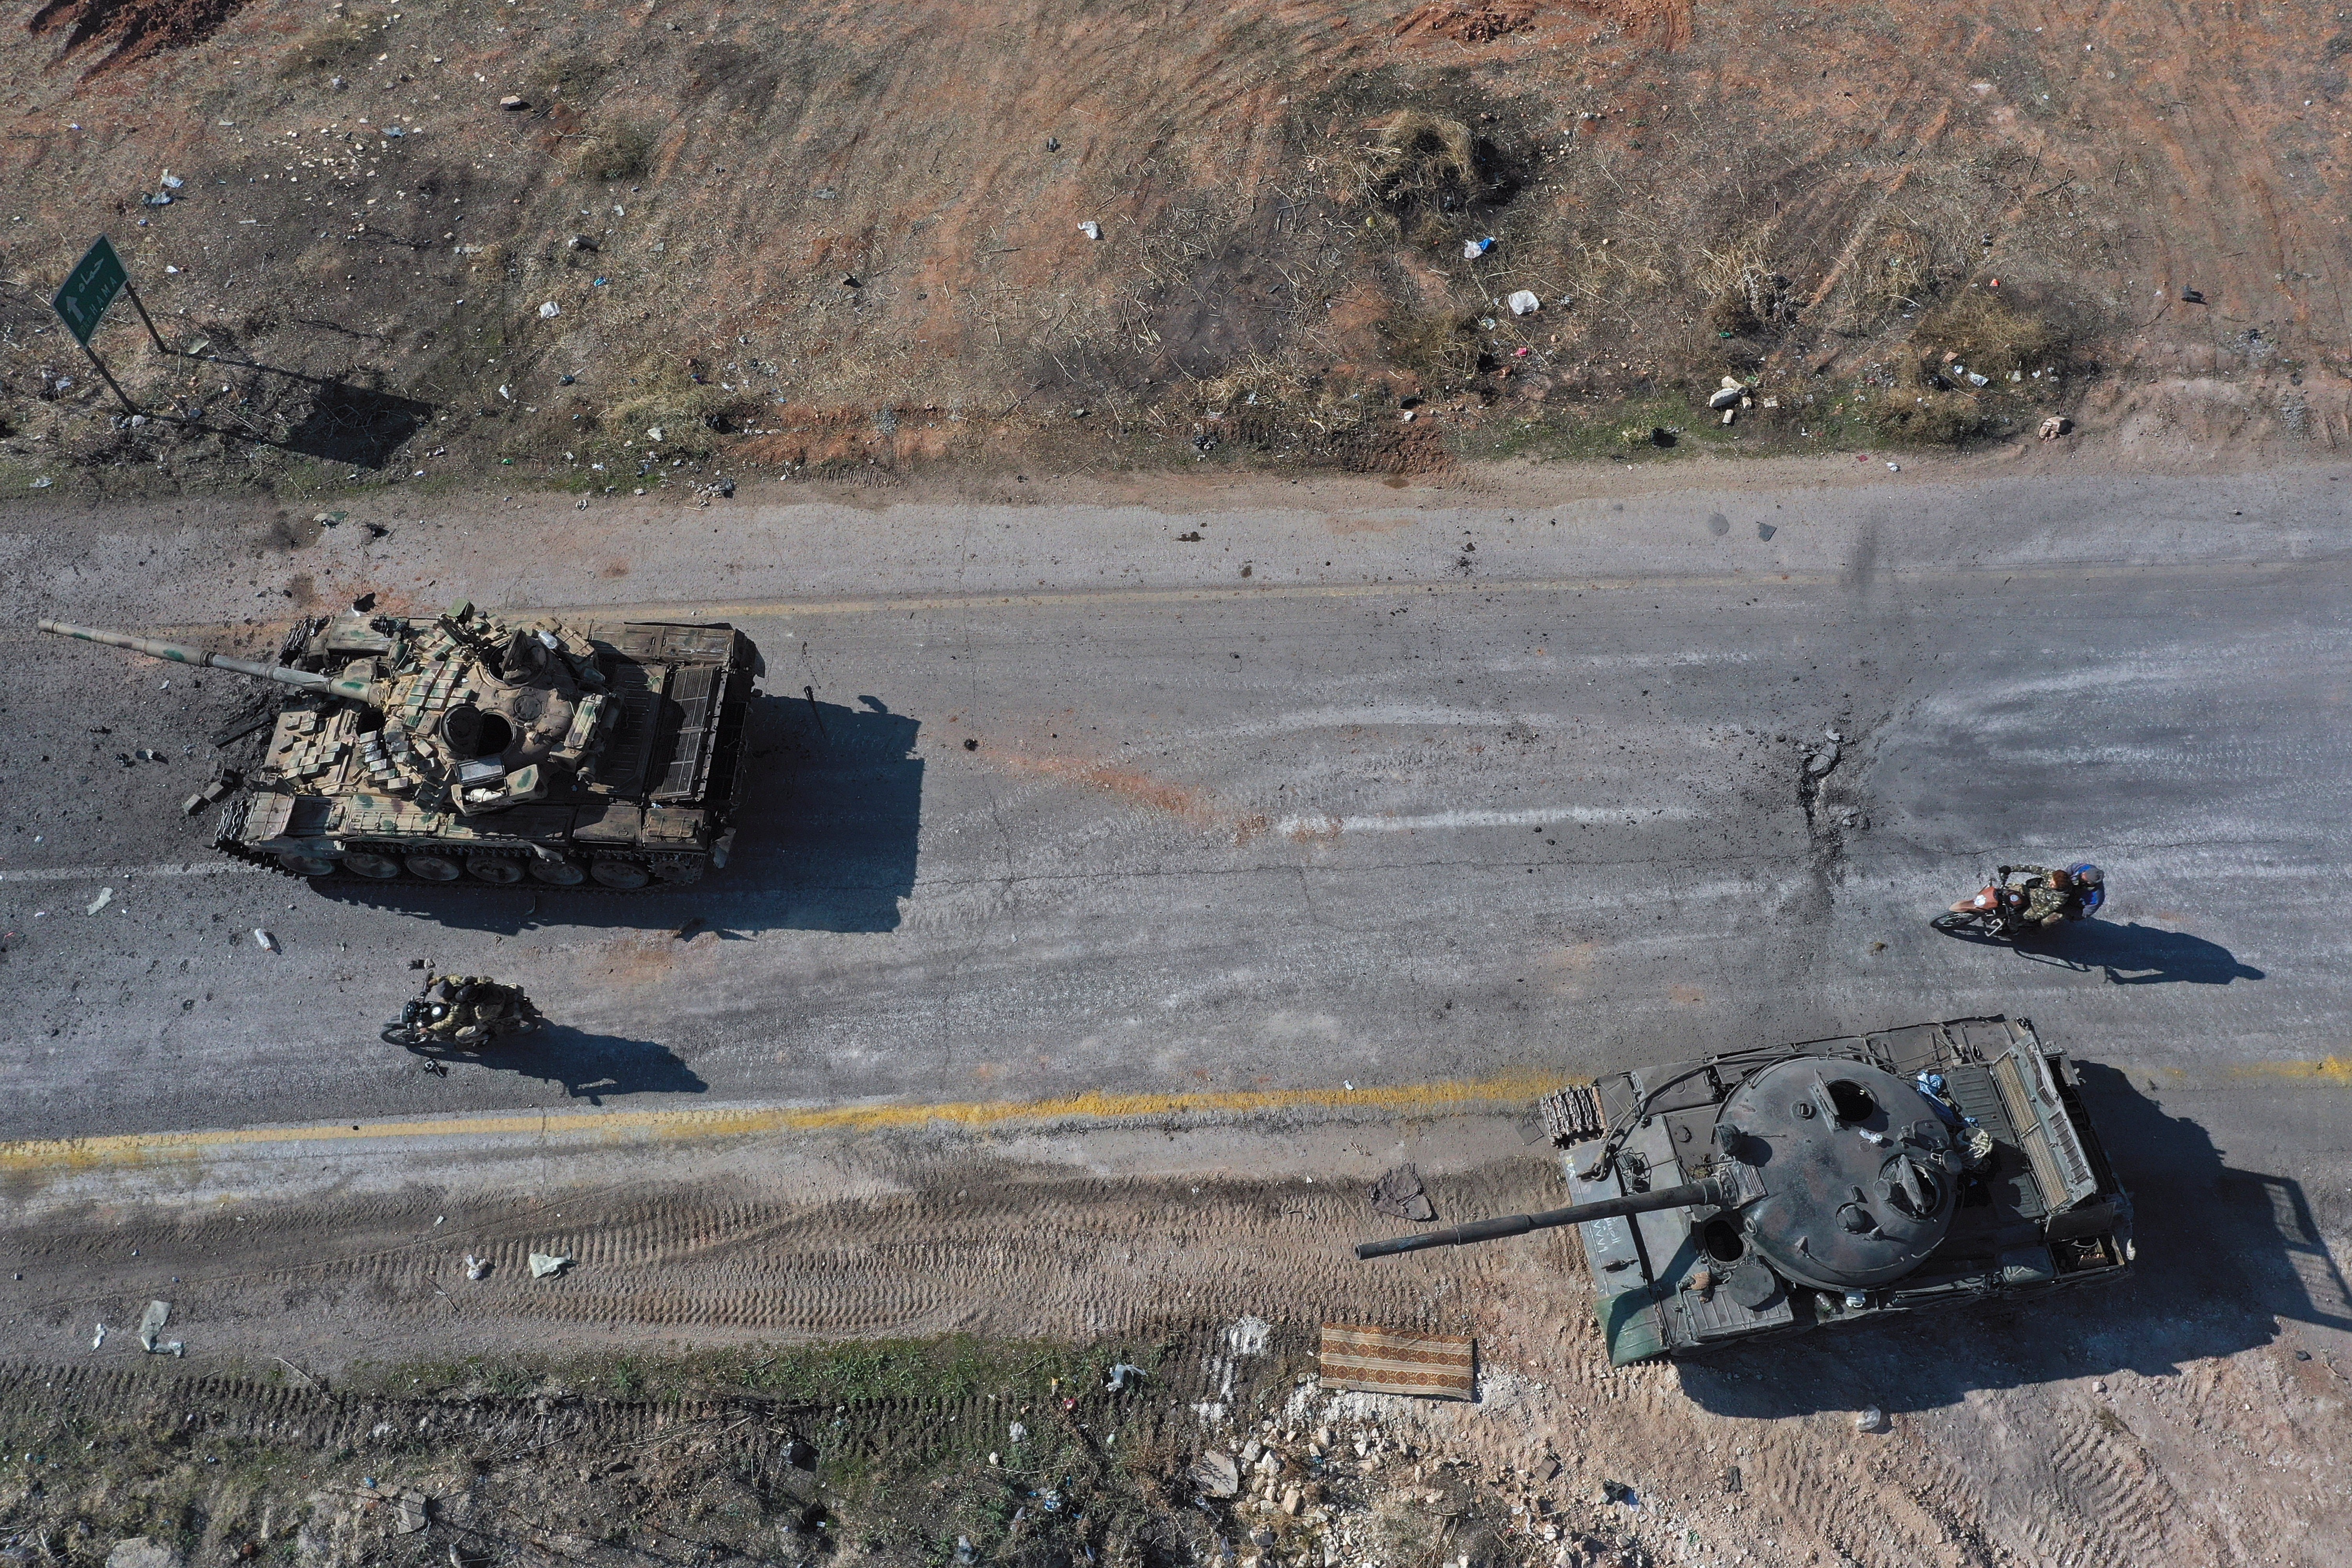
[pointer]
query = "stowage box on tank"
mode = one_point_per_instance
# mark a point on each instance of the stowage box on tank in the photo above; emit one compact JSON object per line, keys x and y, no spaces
{"x":1775,"y":1190}
{"x":493,"y":747}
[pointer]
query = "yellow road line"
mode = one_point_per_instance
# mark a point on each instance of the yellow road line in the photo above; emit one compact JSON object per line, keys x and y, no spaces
{"x":146,"y":1148}
{"x":2336,"y":1070}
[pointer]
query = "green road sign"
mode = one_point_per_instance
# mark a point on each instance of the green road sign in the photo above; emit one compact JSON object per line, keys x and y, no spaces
{"x":89,"y":289}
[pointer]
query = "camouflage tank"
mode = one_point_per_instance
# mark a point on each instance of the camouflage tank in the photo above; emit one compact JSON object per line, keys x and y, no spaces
{"x":433,"y":748}
{"x":1771,"y":1191}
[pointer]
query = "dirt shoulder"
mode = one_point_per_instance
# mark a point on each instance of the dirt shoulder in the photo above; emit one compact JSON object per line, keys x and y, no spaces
{"x":2194,"y":1411}
{"x":849,"y":245}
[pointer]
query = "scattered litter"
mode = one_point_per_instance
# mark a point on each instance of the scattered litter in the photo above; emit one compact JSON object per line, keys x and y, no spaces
{"x":1893,"y":468}
{"x":1728,"y":394}
{"x":1091,"y":229}
{"x":2057,"y":424}
{"x":1976,"y":380}
{"x":2191,"y":296}
{"x":171,"y":182}
{"x":264,"y":941}
{"x":1620,"y":1493}
{"x":1216,"y":1475}
{"x":548,"y":310}
{"x":963,"y":1553}
{"x":507,"y":393}
{"x":42,"y":483}
{"x":1015,"y":1432}
{"x":476,"y":1268}
{"x":1400,"y":1193}
{"x":1472,"y":249}
{"x":105,"y":897}
{"x":653,"y":433}
{"x":1122,"y":1375}
{"x":100,"y":1339}
{"x":150,"y":1327}
{"x":581,"y":242}
{"x":1870,"y":1418}
{"x":1523,"y":302}
{"x":543,"y":1264}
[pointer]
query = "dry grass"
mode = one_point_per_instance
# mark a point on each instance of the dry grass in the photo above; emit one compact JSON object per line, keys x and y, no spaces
{"x":1990,"y":336}
{"x":620,"y":152}
{"x":330,"y":45}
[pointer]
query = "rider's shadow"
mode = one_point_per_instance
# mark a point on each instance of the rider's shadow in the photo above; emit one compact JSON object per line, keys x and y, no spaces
{"x":2148,"y":955}
{"x":589,"y":1067}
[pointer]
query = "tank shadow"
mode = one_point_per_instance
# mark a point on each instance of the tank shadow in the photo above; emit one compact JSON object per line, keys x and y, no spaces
{"x":2136,"y":954}
{"x":2225,"y":1256}
{"x":826,"y":840}
{"x":588,"y":1067}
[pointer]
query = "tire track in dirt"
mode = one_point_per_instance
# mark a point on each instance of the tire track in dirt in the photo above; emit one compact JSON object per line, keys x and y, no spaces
{"x":2007,"y":1471}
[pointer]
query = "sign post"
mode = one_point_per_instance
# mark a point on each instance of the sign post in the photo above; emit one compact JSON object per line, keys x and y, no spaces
{"x":82,"y":301}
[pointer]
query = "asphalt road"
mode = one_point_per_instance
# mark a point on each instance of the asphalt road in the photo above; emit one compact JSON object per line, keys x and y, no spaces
{"x":1443,"y":785}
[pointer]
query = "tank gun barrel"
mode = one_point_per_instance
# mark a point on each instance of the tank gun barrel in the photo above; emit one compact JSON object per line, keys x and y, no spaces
{"x":181,"y":653}
{"x":1709,"y":1191}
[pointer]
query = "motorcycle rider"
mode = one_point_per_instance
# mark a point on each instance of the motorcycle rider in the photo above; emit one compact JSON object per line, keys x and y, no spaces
{"x":2052,"y":899}
{"x":2048,"y":898}
{"x":466,"y":1008}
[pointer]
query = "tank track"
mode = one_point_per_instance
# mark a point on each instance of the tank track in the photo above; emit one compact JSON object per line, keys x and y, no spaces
{"x":232,"y":823}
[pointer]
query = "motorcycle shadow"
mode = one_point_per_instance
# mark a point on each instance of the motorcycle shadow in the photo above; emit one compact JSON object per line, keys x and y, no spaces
{"x":2129,"y":954}
{"x":2136,"y":954}
{"x":588,"y":1067}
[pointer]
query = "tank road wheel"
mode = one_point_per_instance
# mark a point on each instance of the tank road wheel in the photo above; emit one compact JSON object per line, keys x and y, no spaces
{"x":624,"y":875}
{"x":308,"y":865}
{"x":558,"y":873}
{"x":494,"y":869}
{"x":435,"y":868}
{"x":382,"y":868}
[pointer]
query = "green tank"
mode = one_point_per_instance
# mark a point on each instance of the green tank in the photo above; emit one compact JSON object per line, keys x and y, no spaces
{"x":491,"y":747}
{"x":1777,"y":1189}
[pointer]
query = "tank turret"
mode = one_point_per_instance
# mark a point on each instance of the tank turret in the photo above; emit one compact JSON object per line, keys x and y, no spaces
{"x":1769,"y":1190}
{"x":465,"y":742}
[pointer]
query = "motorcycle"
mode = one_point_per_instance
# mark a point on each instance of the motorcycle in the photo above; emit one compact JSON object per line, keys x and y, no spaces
{"x":1999,"y":909}
{"x":427,"y":1021}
